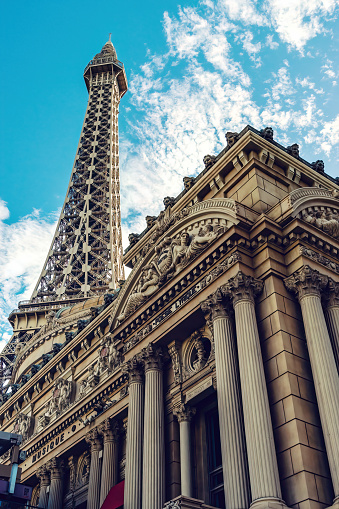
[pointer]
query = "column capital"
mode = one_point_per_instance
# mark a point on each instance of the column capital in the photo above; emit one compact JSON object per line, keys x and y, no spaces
{"x":215,"y":306}
{"x":110,"y":430}
{"x":43,"y":475}
{"x":56,"y":468}
{"x":332,"y":294}
{"x":152,"y":357}
{"x":134,"y":369}
{"x":94,"y":440}
{"x":184,"y":412}
{"x":242,"y":287}
{"x":306,"y":281}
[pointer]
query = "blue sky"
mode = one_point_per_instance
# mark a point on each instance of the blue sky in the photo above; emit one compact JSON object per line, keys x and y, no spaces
{"x":195,"y":71}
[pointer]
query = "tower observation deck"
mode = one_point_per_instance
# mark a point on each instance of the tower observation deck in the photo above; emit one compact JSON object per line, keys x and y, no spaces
{"x":85,"y":259}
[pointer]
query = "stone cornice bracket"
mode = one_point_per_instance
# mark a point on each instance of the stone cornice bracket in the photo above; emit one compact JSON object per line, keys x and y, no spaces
{"x":56,"y":468}
{"x":242,"y":287}
{"x":134,"y":369}
{"x":306,"y":281}
{"x":184,"y":412}
{"x":332,"y":294}
{"x":215,"y":306}
{"x":110,"y":430}
{"x":43,"y":475}
{"x":152,"y":357}
{"x":93,"y":438}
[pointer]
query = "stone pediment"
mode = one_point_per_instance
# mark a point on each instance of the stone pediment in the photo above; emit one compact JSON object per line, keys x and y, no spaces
{"x":174,"y":244}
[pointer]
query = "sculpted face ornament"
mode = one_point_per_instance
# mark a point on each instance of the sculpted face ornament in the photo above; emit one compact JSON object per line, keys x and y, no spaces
{"x":319,"y":166}
{"x":188,"y":183}
{"x":293,"y":150}
{"x":133,"y":238}
{"x":150,"y":221}
{"x":169,"y":201}
{"x":267,"y":133}
{"x":172,"y":255}
{"x":209,"y":161}
{"x":231,"y":138}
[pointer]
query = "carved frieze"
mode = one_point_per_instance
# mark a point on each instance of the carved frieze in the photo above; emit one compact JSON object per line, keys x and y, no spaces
{"x":319,"y":258}
{"x":326,"y":220}
{"x":172,"y":255}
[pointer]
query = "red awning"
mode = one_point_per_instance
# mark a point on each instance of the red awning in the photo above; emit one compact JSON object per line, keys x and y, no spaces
{"x":115,"y":497}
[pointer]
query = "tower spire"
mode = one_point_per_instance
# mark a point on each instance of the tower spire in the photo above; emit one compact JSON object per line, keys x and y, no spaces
{"x":85,"y":258}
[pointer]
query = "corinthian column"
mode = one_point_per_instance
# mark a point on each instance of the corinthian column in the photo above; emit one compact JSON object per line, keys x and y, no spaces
{"x":232,"y":437}
{"x":43,"y":476}
{"x":133,"y":469}
{"x":184,"y":414}
{"x":308,"y":284}
{"x":262,"y":460}
{"x":110,"y":462}
{"x":55,"y":467}
{"x":153,"y":486}
{"x":93,"y":496}
{"x":332,"y":312}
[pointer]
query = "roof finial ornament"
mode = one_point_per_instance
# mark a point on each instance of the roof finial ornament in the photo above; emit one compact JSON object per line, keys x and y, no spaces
{"x":109,"y":37}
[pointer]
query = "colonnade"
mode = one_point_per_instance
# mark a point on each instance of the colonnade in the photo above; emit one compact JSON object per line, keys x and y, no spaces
{"x":103,"y":442}
{"x":251,"y":476}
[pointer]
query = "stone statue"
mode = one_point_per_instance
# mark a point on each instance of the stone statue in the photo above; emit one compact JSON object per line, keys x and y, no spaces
{"x":293,"y":150}
{"x":171,"y":256}
{"x":188,"y":183}
{"x":133,"y":238}
{"x":231,"y":138}
{"x":319,"y":166}
{"x":169,"y":201}
{"x":267,"y":133}
{"x":61,"y":398}
{"x":209,"y":161}
{"x":150,"y":221}
{"x":21,"y":425}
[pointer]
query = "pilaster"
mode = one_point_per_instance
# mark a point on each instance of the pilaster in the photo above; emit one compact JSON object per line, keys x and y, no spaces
{"x":43,"y":475}
{"x":110,"y":431}
{"x":56,"y":469}
{"x":93,"y":438}
{"x":184,"y":414}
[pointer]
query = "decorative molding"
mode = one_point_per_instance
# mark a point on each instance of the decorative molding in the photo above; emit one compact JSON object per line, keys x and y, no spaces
{"x":319,"y":258}
{"x":173,"y":350}
{"x":207,"y":280}
{"x":306,"y":281}
{"x":309,"y":192}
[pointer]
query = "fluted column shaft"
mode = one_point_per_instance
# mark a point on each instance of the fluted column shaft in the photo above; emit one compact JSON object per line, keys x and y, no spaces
{"x":332,"y":313}
{"x":232,"y":436}
{"x":184,"y":415}
{"x":55,"y":498}
{"x":262,"y":460}
{"x":93,"y":495}
{"x":308,"y":284}
{"x":110,"y":460}
{"x":333,"y":325}
{"x":133,"y":470}
{"x":153,"y":486}
{"x":43,"y":475}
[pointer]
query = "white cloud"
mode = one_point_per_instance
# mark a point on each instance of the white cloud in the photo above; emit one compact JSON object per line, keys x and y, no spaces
{"x":270,"y":43}
{"x":23,"y":248}
{"x":298,"y":21}
{"x":330,"y":135}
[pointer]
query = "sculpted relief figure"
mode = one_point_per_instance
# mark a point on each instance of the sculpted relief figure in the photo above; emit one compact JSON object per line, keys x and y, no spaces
{"x":326,"y":221}
{"x":172,"y":255}
{"x":22,"y":425}
{"x":61,"y":399}
{"x":109,"y":356}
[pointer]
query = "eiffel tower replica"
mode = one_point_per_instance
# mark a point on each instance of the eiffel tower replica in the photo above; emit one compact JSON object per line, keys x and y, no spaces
{"x":86,"y":257}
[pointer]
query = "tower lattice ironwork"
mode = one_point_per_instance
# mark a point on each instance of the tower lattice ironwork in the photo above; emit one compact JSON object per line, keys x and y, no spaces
{"x":85,"y":257}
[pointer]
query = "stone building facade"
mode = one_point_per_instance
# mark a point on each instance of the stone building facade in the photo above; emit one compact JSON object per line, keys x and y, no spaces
{"x":209,"y":378}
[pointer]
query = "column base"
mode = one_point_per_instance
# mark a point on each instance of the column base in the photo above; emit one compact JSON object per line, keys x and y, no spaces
{"x":183,"y":502}
{"x":268,"y":503}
